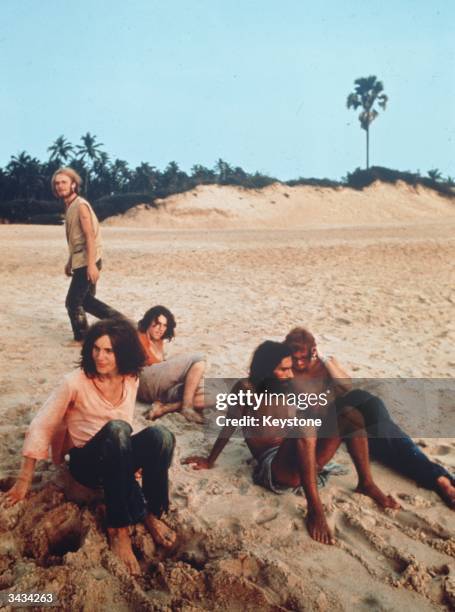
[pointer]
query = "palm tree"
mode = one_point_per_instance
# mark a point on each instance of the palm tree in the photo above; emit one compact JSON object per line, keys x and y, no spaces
{"x":60,"y":150}
{"x":89,"y":149}
{"x":26,"y":175}
{"x":435,"y":175}
{"x":368,"y":91}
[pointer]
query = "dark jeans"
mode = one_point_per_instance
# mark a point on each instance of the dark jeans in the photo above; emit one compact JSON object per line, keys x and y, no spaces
{"x":111,"y":458}
{"x":388,"y":443}
{"x":81,"y":299}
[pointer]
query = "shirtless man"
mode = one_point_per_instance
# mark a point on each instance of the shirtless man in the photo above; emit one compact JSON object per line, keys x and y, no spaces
{"x":89,"y":416}
{"x":84,"y":262}
{"x":291,"y":462}
{"x":388,"y":443}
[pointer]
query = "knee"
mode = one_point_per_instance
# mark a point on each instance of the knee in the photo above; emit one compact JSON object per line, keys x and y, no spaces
{"x":199,"y":358}
{"x":118,"y":431}
{"x":308,"y":442}
{"x":164,"y":440}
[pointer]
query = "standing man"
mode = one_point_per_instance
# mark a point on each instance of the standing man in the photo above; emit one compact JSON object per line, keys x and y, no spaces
{"x":84,"y":262}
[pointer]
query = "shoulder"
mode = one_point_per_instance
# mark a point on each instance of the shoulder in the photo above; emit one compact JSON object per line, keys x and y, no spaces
{"x":131,"y":384}
{"x":75,"y":379}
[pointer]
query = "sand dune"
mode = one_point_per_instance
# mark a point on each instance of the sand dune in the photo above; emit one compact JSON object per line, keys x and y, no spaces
{"x":379,"y":295}
{"x":283,"y":207}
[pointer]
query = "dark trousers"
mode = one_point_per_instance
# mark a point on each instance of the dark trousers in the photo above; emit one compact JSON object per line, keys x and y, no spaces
{"x":111,"y":458}
{"x":81,"y":299}
{"x":388,"y":443}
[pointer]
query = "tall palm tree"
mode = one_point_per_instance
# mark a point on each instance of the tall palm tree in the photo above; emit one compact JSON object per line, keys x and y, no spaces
{"x":367,"y":92}
{"x":89,"y":149}
{"x":60,"y":150}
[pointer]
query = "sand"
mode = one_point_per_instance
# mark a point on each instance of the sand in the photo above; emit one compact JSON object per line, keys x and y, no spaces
{"x":370,"y":272}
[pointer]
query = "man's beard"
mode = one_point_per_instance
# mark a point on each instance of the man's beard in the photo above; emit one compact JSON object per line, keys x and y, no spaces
{"x":275,"y":385}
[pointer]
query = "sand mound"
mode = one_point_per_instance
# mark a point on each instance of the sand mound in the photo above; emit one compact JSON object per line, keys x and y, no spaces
{"x":283,"y":207}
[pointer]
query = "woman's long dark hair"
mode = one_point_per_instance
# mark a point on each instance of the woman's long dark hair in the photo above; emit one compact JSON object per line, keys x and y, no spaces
{"x":152,"y":315}
{"x":128,"y":350}
{"x":265,"y":359}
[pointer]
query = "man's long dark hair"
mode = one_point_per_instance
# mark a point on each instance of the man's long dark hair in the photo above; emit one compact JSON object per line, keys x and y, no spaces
{"x":266,"y":358}
{"x":128,"y":351}
{"x":152,"y":315}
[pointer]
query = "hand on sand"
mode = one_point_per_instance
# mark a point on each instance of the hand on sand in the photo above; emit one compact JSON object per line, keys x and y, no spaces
{"x":161,"y":533}
{"x":373,"y":491}
{"x":197,"y":463}
{"x":317,"y":527}
{"x":120,"y":544}
{"x":17,"y":493}
{"x":192,"y":415}
{"x":446,"y":491}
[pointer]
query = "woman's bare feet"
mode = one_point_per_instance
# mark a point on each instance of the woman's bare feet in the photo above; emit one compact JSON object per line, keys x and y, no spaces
{"x":157,"y":410}
{"x":161,"y":533}
{"x":192,"y":415}
{"x":373,"y":491}
{"x":317,"y":527}
{"x":120,"y":544}
{"x":446,"y":491}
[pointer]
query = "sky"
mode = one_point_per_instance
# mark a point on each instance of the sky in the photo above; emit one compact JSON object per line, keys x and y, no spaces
{"x":259,"y":83}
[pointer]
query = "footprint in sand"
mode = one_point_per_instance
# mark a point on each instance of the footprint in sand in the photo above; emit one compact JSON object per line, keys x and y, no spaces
{"x":441,"y":450}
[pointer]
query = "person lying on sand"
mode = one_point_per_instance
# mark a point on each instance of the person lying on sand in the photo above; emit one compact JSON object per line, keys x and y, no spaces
{"x":293,"y":460}
{"x":172,"y":384}
{"x":85,"y":249}
{"x":388,"y":443}
{"x":90,"y":416}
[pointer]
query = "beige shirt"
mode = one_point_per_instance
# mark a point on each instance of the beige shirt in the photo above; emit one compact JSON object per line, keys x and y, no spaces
{"x":73,"y":414}
{"x":75,"y":236}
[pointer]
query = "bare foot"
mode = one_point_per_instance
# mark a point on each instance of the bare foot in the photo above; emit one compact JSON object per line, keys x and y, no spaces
{"x":373,"y":491}
{"x":157,"y":411}
{"x":161,"y":533}
{"x":120,"y":544}
{"x":446,"y":490}
{"x":317,"y":527}
{"x":192,"y":415}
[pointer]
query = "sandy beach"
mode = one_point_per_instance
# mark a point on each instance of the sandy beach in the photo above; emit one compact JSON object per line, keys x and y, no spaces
{"x":370,"y":272}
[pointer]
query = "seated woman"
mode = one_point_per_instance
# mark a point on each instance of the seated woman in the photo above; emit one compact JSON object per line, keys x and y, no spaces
{"x":172,"y":384}
{"x":90,"y":415}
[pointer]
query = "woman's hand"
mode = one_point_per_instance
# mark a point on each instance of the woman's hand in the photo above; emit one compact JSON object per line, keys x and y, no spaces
{"x":17,"y":493}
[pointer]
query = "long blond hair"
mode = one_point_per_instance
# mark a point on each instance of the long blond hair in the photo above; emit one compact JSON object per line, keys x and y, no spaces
{"x":70,"y":173}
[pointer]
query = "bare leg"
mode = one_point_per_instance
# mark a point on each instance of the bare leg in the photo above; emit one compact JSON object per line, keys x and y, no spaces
{"x":295,"y":464}
{"x":120,"y":544}
{"x":161,"y":533}
{"x":352,"y":423}
{"x":192,"y":382}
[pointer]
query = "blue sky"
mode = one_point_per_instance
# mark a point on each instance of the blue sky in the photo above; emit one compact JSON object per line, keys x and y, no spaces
{"x":260,"y":84}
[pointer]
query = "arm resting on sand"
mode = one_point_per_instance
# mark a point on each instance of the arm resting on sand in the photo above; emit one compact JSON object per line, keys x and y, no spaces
{"x":205,"y":463}
{"x":22,"y":485}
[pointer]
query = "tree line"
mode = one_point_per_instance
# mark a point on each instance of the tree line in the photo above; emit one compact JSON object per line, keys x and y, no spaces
{"x":26,"y":177}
